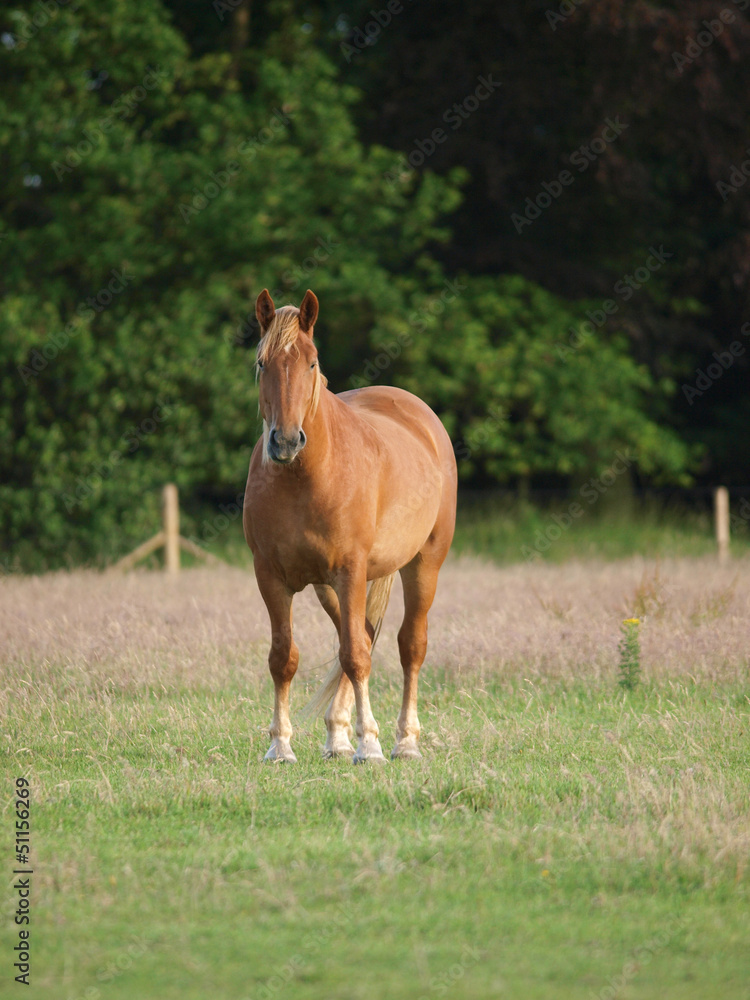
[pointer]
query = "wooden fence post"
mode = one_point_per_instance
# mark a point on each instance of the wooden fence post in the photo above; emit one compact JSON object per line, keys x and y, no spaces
{"x":171,"y":523}
{"x":721,"y":511}
{"x":169,"y":537}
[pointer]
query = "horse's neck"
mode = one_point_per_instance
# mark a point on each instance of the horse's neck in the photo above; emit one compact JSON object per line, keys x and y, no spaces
{"x":317,"y":456}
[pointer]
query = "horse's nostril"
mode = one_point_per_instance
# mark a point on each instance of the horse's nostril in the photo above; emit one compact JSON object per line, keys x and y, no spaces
{"x":286,"y":446}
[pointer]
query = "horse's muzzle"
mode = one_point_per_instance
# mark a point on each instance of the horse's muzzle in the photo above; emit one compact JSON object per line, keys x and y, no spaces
{"x":283,"y":449}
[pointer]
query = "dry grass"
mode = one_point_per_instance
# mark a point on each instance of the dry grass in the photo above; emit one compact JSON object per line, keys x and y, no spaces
{"x":208,"y":628}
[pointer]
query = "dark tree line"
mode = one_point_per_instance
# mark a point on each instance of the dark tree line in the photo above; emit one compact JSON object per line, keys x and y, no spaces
{"x":533,"y":215}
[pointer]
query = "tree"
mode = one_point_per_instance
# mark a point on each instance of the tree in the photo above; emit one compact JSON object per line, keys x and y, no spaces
{"x":146,"y":199}
{"x":161,"y":165}
{"x":674,"y":74}
{"x":528,"y":386}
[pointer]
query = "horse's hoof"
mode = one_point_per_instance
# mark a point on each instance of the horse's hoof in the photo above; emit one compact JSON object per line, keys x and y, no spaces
{"x":330,"y":753}
{"x":405,"y":753}
{"x":279,"y":753}
{"x":372,"y":759}
{"x":367,"y":751}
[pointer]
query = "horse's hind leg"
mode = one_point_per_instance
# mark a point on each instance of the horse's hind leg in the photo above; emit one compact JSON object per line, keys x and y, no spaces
{"x":419,"y":578}
{"x":356,"y":644}
{"x":339,"y":713}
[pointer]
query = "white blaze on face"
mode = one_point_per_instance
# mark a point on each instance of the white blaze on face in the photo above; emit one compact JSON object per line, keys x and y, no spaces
{"x":264,"y":459}
{"x":286,"y":365}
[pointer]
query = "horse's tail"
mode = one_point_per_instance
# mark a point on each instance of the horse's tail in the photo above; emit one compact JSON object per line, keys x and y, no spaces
{"x":378,"y":594}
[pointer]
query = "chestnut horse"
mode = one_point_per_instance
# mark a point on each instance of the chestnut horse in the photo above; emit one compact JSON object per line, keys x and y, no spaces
{"x":342,"y":490}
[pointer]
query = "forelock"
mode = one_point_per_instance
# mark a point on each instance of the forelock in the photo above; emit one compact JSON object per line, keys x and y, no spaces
{"x":281,"y":334}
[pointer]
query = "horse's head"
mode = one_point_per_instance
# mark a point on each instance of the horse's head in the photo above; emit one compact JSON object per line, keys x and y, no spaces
{"x":289,"y":378}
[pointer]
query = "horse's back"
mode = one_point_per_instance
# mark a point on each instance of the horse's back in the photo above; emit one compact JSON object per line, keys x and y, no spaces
{"x":400,"y":415}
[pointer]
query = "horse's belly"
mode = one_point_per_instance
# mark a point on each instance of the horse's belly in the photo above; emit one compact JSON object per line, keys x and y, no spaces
{"x":405,"y":524}
{"x":386,"y":560}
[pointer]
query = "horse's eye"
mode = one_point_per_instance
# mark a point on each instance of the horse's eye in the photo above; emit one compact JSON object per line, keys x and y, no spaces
{"x":260,"y":365}
{"x":313,"y":364}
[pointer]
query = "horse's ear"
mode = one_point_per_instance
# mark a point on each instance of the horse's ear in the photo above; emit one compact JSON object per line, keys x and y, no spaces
{"x":308,"y":312}
{"x":264,"y":309}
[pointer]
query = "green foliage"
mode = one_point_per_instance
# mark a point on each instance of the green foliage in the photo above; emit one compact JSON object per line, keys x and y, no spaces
{"x":151,"y":186}
{"x":671,"y":179}
{"x":525,"y":387}
{"x":162,"y":180}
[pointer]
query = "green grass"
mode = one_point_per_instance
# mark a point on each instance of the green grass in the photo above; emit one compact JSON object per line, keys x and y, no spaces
{"x":506,"y":530}
{"x":556,"y":840}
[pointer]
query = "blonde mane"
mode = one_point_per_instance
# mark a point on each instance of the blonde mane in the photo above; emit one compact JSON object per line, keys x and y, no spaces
{"x":282,"y":334}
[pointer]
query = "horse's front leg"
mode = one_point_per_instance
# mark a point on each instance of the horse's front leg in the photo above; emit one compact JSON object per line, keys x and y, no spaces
{"x":351,"y":589}
{"x":282,"y":662}
{"x":339,"y":712}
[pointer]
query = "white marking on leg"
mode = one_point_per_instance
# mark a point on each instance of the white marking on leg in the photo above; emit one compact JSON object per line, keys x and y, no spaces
{"x":368,"y":747}
{"x":280,"y":730}
{"x":338,"y":720}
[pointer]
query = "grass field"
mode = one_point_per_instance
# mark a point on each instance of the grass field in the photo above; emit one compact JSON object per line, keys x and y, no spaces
{"x":506,"y":529}
{"x":560,"y":838}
